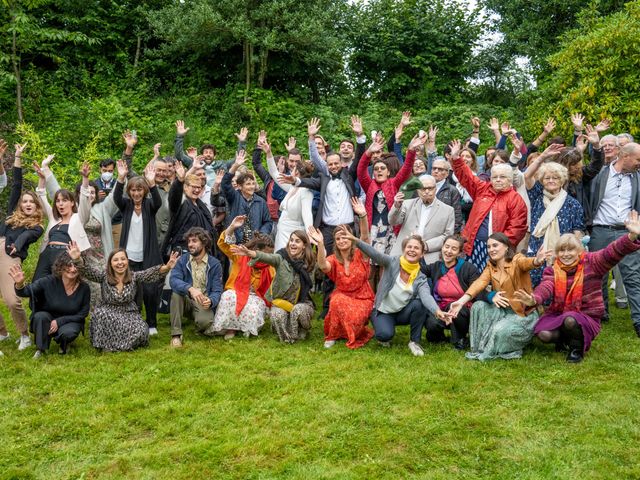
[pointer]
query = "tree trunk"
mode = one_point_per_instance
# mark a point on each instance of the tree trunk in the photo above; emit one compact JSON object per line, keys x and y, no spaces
{"x":247,"y":69}
{"x":16,"y":73}
{"x":264,"y":54}
{"x":138,"y":47}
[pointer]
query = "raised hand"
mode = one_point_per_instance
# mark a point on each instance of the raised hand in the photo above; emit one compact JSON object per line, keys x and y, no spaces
{"x":455,"y":148}
{"x":180,"y":171}
{"x":122,"y":170}
{"x":219,"y":176}
{"x":20,"y":148}
{"x":499,"y":300}
{"x":346,"y":233}
{"x":313,"y":127}
{"x":3,"y":147}
{"x":475,"y":123}
{"x":505,"y":128}
{"x":290,"y":179}
{"x":181,"y":131}
{"x":358,"y":207}
{"x":494,"y":124}
{"x":48,"y":159}
{"x":150,"y":174}
{"x":291,"y":145}
{"x":376,"y":145}
{"x":85,"y":171}
{"x":356,"y":125}
{"x":577,"y":119}
{"x":542,"y":255}
{"x":551,"y":150}
{"x":523,"y":297}
{"x":73,"y":250}
{"x":242,"y":251}
{"x":192,"y":152}
{"x":173,"y":259}
{"x":242,"y":135}
{"x":263,"y":143}
{"x":130,"y":139}
{"x":38,"y":171}
{"x":156,"y":150}
{"x":405,"y":120}
{"x":581,"y":142}
{"x":633,"y":224}
{"x":550,"y":125}
{"x":417,"y":142}
{"x":241,"y":157}
{"x":433,"y":132}
{"x":238,"y":222}
{"x":592,"y":135}
{"x":281,"y":164}
{"x":315,"y":236}
{"x":16,"y":273}
{"x":398,"y":199}
{"x":516,"y":142}
{"x":603,"y":126}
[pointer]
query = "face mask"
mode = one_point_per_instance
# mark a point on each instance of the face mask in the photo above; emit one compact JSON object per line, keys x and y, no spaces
{"x":106,"y":176}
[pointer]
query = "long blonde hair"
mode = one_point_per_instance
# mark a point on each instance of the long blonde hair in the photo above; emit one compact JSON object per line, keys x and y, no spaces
{"x":18,"y":219}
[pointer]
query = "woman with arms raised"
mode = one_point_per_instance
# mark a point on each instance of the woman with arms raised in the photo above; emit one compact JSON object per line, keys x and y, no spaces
{"x":573,"y":285}
{"x":243,"y":304}
{"x":352,"y":300}
{"x":59,"y":303}
{"x":291,"y":305}
{"x":403,"y":296}
{"x":116,"y":322}
{"x":22,"y":227}
{"x":502,"y":327}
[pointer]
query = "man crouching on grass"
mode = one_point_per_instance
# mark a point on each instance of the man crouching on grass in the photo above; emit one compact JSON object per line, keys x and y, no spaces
{"x":196,"y":281}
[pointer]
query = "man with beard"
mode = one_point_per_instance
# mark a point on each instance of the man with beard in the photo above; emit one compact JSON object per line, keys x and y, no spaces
{"x":196,"y":281}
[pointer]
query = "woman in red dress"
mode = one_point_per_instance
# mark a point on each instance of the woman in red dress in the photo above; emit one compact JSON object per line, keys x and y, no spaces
{"x":352,"y":300}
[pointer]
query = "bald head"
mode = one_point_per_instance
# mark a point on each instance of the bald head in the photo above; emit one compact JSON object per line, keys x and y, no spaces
{"x":629,"y":158}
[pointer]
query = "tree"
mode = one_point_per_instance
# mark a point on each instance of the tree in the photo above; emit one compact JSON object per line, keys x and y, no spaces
{"x":412,"y":50}
{"x":596,"y":72}
{"x":25,"y":36}
{"x":531,"y":28}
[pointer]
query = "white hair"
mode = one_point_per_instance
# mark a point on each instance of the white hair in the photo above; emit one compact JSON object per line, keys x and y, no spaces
{"x":610,"y":137}
{"x":426,"y":176}
{"x":505,"y":167}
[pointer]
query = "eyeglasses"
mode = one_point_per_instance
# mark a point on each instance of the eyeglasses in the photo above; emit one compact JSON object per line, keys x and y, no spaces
{"x":380,"y":168}
{"x":427,"y":188}
{"x":195,"y":187}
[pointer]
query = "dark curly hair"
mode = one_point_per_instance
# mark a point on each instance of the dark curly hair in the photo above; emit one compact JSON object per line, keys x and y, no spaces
{"x":60,"y":264}
{"x":202,"y":235}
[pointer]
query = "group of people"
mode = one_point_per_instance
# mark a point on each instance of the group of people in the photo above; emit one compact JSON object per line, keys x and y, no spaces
{"x":482,"y":251}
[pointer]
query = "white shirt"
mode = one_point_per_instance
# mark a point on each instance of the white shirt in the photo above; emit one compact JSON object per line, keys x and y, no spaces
{"x":337,"y":204}
{"x":440,"y":184}
{"x":398,"y":297}
{"x":205,"y":196}
{"x":3,"y":181}
{"x":616,"y":203}
{"x":135,"y":242}
{"x":425,"y":214}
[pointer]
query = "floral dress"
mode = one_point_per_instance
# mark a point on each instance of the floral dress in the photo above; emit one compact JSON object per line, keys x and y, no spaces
{"x":382,"y":234}
{"x":351,"y":302}
{"x":116,"y":323}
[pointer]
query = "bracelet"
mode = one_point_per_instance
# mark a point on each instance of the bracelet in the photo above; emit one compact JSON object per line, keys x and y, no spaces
{"x":362,"y":216}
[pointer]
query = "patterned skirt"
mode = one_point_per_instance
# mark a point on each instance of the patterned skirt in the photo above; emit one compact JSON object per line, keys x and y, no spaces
{"x":250,"y":320}
{"x":498,"y":332}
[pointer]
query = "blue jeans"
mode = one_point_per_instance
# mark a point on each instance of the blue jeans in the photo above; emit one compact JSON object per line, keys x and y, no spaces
{"x":413,"y":314}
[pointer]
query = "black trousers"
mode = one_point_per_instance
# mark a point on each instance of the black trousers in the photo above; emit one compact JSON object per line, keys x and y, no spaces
{"x":459,"y":327}
{"x":46,"y":260}
{"x":413,"y":314}
{"x":40,"y":325}
{"x":149,"y":294}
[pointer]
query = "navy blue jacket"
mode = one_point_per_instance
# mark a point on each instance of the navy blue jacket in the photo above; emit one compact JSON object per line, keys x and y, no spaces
{"x":181,"y":279}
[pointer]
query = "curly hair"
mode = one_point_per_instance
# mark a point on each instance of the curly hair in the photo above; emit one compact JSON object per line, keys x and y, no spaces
{"x":20,"y":219}
{"x":202,"y":235}
{"x":60,"y":264}
{"x":260,"y":242}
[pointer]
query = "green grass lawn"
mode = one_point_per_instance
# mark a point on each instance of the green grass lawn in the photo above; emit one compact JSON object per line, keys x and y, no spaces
{"x":260,"y":409}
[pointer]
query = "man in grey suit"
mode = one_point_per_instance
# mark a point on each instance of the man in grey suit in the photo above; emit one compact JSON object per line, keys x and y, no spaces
{"x":615,"y":191}
{"x":426,"y":216}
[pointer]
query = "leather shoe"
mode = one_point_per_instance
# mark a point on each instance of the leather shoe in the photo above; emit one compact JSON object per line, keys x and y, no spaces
{"x":461,"y":344}
{"x":637,"y":329}
{"x":575,"y":356}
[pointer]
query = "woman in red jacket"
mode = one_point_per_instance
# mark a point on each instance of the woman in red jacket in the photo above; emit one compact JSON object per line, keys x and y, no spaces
{"x":380,"y":191}
{"x":497,"y":207}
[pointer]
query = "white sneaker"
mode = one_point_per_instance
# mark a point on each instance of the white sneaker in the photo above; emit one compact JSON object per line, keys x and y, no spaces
{"x":25,"y":342}
{"x":5,"y":337}
{"x":384,"y":344}
{"x":416,"y":349}
{"x":153,"y":331}
{"x":329,"y":343}
{"x":37,"y":355}
{"x":612,"y":286}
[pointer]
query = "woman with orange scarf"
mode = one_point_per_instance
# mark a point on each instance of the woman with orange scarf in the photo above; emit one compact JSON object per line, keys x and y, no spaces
{"x":573,"y":285}
{"x":243,"y":305}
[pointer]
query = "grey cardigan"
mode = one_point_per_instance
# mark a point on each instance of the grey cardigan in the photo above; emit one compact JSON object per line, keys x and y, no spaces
{"x":391,"y":271}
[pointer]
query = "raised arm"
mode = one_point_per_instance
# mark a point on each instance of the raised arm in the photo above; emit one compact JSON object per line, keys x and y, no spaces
{"x":321,"y":259}
{"x":373,"y":254}
{"x":178,"y":145}
{"x":313,"y":127}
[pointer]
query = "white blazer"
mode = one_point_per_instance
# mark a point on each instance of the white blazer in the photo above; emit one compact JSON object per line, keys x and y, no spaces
{"x":76,"y":228}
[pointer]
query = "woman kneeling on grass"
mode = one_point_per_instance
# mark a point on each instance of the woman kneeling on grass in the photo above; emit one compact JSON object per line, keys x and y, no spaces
{"x":291,"y":305}
{"x":243,"y":305}
{"x":59,"y":303}
{"x":352,"y":300}
{"x":503,"y":328}
{"x":403,"y":296}
{"x":116,"y":322}
{"x":573,"y":284}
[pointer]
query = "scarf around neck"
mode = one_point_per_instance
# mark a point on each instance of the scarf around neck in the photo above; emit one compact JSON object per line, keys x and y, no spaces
{"x":548,"y":225}
{"x":298,"y":268}
{"x":572,"y":300}
{"x":242,"y":284}
{"x":411,"y":268}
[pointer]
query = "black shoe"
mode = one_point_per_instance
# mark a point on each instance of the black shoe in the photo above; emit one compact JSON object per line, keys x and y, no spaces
{"x":575,"y":356}
{"x":605,"y":319}
{"x":561,"y":346}
{"x":637,"y":329}
{"x":462,"y":344}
